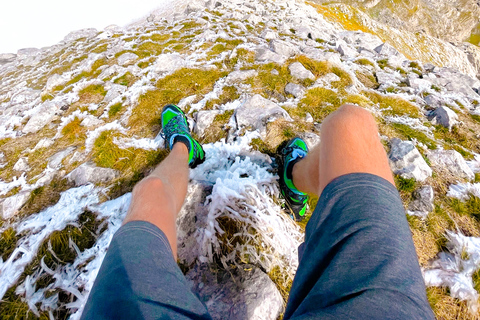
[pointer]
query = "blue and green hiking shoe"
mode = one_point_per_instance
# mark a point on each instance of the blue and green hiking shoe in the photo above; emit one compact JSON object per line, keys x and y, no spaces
{"x":294,"y":151}
{"x":175,"y":129}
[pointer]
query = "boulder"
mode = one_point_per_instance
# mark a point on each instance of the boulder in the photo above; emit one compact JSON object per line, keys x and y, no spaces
{"x":257,"y":111}
{"x":46,"y":113}
{"x":243,"y":293}
{"x":21,"y":165}
{"x":89,"y":173}
{"x":55,"y":161}
{"x":11,"y":205}
{"x":264,"y":54}
{"x":240,"y":75}
{"x":443,"y":116}
{"x":192,"y":216}
{"x":386,"y":50}
{"x":7,"y":58}
{"x":406,"y":161}
{"x":82,"y":33}
{"x":91,"y":121}
{"x":203,"y":120}
{"x":169,"y":62}
{"x":295,"y":90}
{"x":297,"y":70}
{"x":346,"y":50}
{"x":114,"y":91}
{"x":283,"y":48}
{"x":54,"y":81}
{"x":451,"y":161}
{"x":326,"y":80}
{"x":127,"y":58}
{"x":422,"y":204}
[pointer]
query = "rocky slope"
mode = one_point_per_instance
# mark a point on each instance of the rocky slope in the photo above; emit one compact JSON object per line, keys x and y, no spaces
{"x":447,"y":20}
{"x":79,"y":126}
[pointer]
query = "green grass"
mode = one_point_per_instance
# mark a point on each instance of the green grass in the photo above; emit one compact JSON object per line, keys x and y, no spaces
{"x":73,"y":131}
{"x":457,"y":136}
{"x":364,"y":62}
{"x":115,"y":109}
{"x":126,"y":80}
{"x":94,"y":93}
{"x":383,"y":63}
{"x":8,"y":242}
{"x":171,"y":89}
{"x":367,"y":79}
{"x":470,"y":207}
{"x":397,"y":106}
{"x":229,"y":93}
{"x":407,"y":132}
{"x":217,"y":130}
{"x":319,"y":102}
{"x":405,"y":185}
{"x":475,"y":117}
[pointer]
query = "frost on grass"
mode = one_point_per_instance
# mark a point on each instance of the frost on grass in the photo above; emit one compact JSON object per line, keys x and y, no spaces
{"x":243,"y":188}
{"x":456,"y":268}
{"x":39,"y":226}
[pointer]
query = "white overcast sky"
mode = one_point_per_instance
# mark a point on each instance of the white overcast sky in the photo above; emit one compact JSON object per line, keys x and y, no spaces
{"x":41,"y":23}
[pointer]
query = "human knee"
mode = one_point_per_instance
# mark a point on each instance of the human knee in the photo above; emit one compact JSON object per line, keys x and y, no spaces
{"x":351,"y":117}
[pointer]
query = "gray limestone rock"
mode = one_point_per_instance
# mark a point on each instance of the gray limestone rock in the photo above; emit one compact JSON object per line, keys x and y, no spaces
{"x":44,"y":143}
{"x":21,"y":165}
{"x":91,"y":121}
{"x":191,"y":217}
{"x":423,"y":202}
{"x":268,"y":34}
{"x":55,"y":161}
{"x":240,"y":75}
{"x":257,"y":111}
{"x":298,"y":71}
{"x":387,"y":50}
{"x":42,"y":117}
{"x":7,"y":58}
{"x":419,"y":84}
{"x":443,"y":116}
{"x":27,"y":52}
{"x":346,"y":50}
{"x":264,"y":54}
{"x":243,"y":293}
{"x":434,"y":100}
{"x":406,"y":161}
{"x":54,"y":81}
{"x":82,"y":33}
{"x":89,"y":173}
{"x":203,"y":120}
{"x":388,"y":78}
{"x":295,"y":89}
{"x":326,"y":80}
{"x":11,"y":205}
{"x":452,"y":161}
{"x":169,"y":62}
{"x":127,"y":58}
{"x":310,"y":138}
{"x":114,"y":91}
{"x":283,"y":48}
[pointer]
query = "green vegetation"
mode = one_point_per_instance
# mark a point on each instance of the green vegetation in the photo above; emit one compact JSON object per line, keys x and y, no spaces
{"x":115,"y":109}
{"x":405,"y":185}
{"x":222,"y":45}
{"x":406,"y":132}
{"x":229,"y":93}
{"x":319,"y":102}
{"x":470,"y":207}
{"x":396,"y":106}
{"x":367,"y":79}
{"x":126,"y":80}
{"x":73,"y":131}
{"x":217,"y":130}
{"x":383,"y":63}
{"x":94,"y":93}
{"x":458,"y":136}
{"x":364,"y":62}
{"x":171,"y":89}
{"x":8,"y":242}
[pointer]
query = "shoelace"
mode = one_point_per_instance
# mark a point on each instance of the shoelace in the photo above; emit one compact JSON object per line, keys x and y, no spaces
{"x":175,"y":125}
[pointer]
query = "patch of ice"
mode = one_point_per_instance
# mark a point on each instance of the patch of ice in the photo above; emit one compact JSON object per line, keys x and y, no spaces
{"x":464,"y":190}
{"x":39,"y":226}
{"x":450,"y":270}
{"x":5,"y":187}
{"x":475,"y":164}
{"x":143,"y":143}
{"x":93,"y":135}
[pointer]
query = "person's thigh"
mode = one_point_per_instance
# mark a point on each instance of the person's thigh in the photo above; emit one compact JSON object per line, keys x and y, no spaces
{"x":358,"y":260}
{"x":139,"y":279}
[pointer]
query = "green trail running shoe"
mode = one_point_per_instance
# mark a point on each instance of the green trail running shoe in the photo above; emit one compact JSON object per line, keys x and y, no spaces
{"x":295,"y":150}
{"x":175,"y":129}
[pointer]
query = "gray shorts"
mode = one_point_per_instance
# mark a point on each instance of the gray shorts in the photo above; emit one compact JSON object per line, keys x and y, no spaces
{"x":358,"y":262}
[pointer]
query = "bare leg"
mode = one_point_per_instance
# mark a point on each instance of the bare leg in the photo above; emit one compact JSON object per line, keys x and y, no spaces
{"x":159,"y":197}
{"x":349,"y":143}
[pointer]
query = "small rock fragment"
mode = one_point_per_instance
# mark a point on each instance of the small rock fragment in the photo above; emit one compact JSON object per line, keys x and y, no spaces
{"x":443,"y":116}
{"x":298,"y":71}
{"x":406,"y":161}
{"x":89,"y":173}
{"x":294,"y":89}
{"x":423,"y":203}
